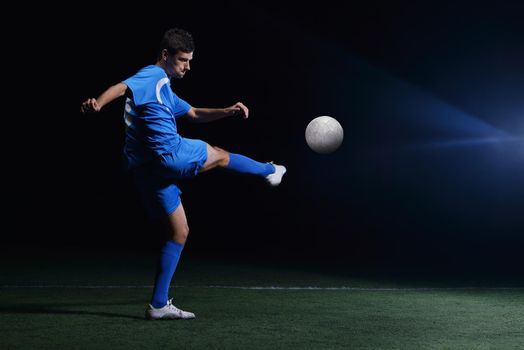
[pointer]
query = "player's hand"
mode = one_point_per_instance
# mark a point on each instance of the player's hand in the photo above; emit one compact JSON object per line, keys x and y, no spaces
{"x":239,"y":109}
{"x":90,"y":106}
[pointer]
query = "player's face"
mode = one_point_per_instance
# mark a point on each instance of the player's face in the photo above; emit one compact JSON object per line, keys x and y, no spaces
{"x":178,"y":64}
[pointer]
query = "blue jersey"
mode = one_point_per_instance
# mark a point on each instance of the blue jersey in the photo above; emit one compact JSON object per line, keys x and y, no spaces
{"x":150,"y":115}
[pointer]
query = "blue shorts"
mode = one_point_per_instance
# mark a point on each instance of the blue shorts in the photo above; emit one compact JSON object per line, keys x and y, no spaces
{"x":156,"y":180}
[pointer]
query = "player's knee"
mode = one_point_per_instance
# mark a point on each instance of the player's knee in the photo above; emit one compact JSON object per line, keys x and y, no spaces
{"x":184,"y":232}
{"x":222,"y":156}
{"x":180,"y":234}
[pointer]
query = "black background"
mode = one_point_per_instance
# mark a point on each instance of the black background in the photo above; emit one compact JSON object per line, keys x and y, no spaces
{"x":395,"y":74}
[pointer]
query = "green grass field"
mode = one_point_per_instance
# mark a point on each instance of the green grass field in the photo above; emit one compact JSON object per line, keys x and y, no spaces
{"x":98,"y":303}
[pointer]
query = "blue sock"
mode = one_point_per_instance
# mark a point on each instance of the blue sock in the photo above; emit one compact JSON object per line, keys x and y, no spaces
{"x":243,"y":164}
{"x":169,"y":255}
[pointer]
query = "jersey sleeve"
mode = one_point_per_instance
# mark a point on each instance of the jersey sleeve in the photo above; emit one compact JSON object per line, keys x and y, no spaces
{"x":181,"y":106}
{"x":142,"y":85}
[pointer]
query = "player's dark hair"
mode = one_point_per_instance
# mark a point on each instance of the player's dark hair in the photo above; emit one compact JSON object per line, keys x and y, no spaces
{"x":175,"y":40}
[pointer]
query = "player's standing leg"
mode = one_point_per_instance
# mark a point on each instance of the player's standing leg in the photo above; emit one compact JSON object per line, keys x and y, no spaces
{"x":161,"y":306}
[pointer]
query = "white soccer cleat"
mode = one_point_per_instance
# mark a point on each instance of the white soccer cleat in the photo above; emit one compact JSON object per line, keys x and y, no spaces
{"x":168,"y":312}
{"x":275,"y":178}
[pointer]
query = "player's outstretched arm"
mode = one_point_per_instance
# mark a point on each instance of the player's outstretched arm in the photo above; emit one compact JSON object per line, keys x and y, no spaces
{"x":203,"y":115}
{"x":93,"y":105}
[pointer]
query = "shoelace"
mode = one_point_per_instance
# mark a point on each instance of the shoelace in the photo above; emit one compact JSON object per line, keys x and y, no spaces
{"x":173,"y":307}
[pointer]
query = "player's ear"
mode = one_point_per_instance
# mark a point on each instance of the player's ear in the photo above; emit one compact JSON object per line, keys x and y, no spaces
{"x":165,"y":54}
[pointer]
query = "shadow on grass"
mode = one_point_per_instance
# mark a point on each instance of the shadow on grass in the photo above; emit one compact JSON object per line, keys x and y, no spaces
{"x":53,"y":310}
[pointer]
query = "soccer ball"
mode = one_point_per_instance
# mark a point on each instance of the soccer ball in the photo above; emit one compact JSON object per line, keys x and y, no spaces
{"x":324,"y":134}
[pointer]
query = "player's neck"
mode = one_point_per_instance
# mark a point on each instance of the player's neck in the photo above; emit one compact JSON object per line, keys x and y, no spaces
{"x":162,"y":65}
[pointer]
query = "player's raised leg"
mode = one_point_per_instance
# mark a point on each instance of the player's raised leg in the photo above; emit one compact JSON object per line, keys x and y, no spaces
{"x":217,"y":157}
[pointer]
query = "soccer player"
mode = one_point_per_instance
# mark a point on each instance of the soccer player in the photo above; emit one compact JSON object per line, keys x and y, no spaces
{"x":157,"y":155}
